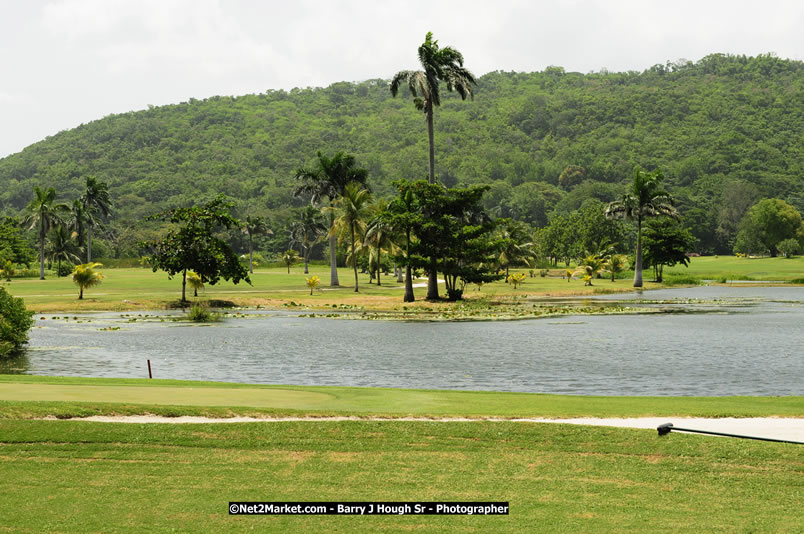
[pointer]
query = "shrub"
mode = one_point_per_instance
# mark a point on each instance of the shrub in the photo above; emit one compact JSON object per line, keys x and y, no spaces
{"x":313,"y":282}
{"x":517,"y":279}
{"x":65,"y":269}
{"x":199,"y":314}
{"x":15,"y":321}
{"x":8,"y":270}
{"x":788,"y":247}
{"x":543,"y":273}
{"x":683,"y":280}
{"x":85,"y":276}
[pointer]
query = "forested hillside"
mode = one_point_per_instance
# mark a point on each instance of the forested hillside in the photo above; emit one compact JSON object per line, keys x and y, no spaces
{"x":726,"y":131}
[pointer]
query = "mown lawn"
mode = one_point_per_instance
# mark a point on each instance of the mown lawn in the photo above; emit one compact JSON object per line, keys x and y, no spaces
{"x":38,"y":396}
{"x":69,"y":476}
{"x":142,"y":289}
{"x":734,"y":268}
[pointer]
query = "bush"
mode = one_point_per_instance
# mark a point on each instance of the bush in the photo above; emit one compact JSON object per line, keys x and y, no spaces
{"x":681,"y":280}
{"x":15,"y":321}
{"x":199,"y":314}
{"x":65,"y":269}
{"x":788,"y":247}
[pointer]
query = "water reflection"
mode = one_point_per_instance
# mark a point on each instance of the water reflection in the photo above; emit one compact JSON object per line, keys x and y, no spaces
{"x":16,"y":365}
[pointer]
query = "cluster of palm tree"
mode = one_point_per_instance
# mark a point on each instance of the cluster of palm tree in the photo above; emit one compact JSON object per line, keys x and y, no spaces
{"x":339,"y":193}
{"x":593,"y":266}
{"x":65,"y":231}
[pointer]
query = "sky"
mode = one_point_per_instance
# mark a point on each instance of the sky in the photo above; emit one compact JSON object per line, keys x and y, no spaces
{"x":68,"y":62}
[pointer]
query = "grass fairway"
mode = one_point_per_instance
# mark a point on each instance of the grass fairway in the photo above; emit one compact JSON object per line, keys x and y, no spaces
{"x":69,"y":476}
{"x":79,"y":476}
{"x":25,"y":396}
{"x":733,"y":268}
{"x":141,"y":289}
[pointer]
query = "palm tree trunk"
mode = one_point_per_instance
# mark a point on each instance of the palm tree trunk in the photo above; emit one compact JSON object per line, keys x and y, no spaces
{"x":638,"y":261}
{"x":398,"y":272}
{"x":42,"y":252}
{"x":89,"y":241}
{"x":80,"y":292}
{"x":307,"y":250}
{"x":250,"y":255}
{"x":333,"y":265}
{"x":432,"y":282}
{"x":379,"y":264}
{"x":184,"y":286}
{"x":354,"y":255}
{"x":429,"y":113}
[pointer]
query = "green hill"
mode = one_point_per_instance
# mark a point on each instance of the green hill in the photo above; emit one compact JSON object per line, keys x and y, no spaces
{"x":726,"y":131}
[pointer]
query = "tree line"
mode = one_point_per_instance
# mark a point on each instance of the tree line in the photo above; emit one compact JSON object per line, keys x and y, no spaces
{"x":724,"y":130}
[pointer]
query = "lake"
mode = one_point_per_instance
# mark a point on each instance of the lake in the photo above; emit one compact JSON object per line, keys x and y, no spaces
{"x":729,"y":341}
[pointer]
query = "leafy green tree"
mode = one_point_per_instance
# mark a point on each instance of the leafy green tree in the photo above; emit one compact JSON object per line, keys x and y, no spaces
{"x":439,"y":65}
{"x":454,"y":236}
{"x":666,"y":242}
{"x":85,"y":276}
{"x":251,"y":227}
{"x":15,"y":321}
{"x":571,"y":176}
{"x":328,"y":181}
{"x":13,"y":246}
{"x":350,"y":212}
{"x":306,"y":229}
{"x":43,"y":213}
{"x":645,"y":199}
{"x":192,"y":245}
{"x":766,"y":224}
{"x":290,"y":258}
{"x":737,"y":197}
{"x":97,"y":204}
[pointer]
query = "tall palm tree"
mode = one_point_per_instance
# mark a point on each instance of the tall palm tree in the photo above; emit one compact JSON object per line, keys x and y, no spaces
{"x":44,"y":213}
{"x":96,"y":203}
{"x":254,"y":226}
{"x":350,"y":211}
{"x":439,"y":65}
{"x":328,"y":180}
{"x":645,"y":198}
{"x":306,"y":230}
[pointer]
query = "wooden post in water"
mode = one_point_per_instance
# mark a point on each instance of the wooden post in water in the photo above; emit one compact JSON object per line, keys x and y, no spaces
{"x":149,"y":370}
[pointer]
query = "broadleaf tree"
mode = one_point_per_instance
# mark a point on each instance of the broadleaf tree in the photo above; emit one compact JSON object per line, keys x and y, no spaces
{"x":192,"y":244}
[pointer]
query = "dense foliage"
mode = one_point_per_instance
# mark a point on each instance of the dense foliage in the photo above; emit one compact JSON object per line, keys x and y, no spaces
{"x":726,"y":131}
{"x":192,"y":245}
{"x":15,"y":321}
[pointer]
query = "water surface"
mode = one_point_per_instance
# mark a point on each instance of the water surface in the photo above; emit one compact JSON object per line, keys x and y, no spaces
{"x":736,"y":341}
